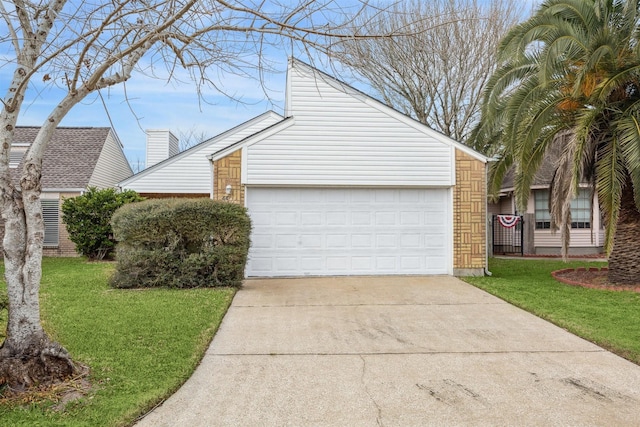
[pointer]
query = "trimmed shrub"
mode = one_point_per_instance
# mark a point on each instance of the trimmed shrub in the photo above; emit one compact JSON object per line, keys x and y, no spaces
{"x":88,"y":219}
{"x":180,"y":243}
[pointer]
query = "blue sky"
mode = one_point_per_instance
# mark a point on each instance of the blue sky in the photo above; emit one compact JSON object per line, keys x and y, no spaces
{"x":156,"y":104}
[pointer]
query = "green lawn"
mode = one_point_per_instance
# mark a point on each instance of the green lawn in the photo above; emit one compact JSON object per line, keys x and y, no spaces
{"x":141,"y":345}
{"x":607,"y":318}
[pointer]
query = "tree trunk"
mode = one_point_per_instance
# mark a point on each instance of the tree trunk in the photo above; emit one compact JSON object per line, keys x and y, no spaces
{"x":624,"y":261}
{"x":27,"y":357}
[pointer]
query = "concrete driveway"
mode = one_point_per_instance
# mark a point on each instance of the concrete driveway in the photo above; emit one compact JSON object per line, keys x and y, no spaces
{"x":396,"y":351}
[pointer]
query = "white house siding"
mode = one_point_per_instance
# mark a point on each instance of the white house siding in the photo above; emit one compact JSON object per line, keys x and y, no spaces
{"x":161,"y":144}
{"x":580,"y":238}
{"x":190,"y":171}
{"x":112,"y":165}
{"x":503,"y":206}
{"x":346,"y":139}
{"x":493,"y":209}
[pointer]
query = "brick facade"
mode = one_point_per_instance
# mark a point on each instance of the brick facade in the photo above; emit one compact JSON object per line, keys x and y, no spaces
{"x":228,"y":171}
{"x":469,"y":216}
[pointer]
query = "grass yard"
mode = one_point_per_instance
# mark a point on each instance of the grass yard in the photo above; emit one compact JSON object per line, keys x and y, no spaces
{"x":141,"y":345}
{"x":608,"y":318}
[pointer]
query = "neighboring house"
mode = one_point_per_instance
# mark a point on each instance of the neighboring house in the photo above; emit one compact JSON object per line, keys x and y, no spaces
{"x":75,"y":159}
{"x":587,"y":234}
{"x":342,"y":185}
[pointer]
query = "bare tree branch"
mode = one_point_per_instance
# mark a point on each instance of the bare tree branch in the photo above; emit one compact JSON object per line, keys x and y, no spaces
{"x":84,"y":46}
{"x":435,"y":74}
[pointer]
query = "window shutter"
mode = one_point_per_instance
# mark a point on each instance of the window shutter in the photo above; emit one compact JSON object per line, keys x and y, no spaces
{"x":51,"y":214}
{"x":15,"y":157}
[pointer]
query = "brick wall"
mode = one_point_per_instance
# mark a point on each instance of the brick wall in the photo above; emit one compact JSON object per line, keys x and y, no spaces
{"x":469,"y":215}
{"x":227,"y":171}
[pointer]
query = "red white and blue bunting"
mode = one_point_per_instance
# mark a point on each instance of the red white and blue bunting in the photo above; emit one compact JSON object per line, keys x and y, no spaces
{"x":508,"y":221}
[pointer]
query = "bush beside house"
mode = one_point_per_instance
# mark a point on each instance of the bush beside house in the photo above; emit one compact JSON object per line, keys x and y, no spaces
{"x":180,"y":243}
{"x":88,"y":219}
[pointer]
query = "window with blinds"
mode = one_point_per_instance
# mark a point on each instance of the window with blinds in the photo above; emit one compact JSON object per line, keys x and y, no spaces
{"x":543,"y":216}
{"x":17,"y":153}
{"x":580,"y":209}
{"x":51,"y":216}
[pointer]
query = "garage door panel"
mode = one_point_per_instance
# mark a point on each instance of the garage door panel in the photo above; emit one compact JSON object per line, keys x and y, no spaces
{"x":410,"y":241}
{"x":361,"y":218}
{"x":411,"y":263}
{"x":337,"y":218}
{"x":409,"y":197}
{"x":262,"y":241}
{"x":260,"y":218}
{"x":348,"y":231}
{"x":361,"y":240}
{"x":410,"y":218}
{"x":285,"y":197}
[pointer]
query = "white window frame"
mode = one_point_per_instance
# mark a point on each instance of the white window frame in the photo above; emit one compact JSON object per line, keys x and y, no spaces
{"x":580,"y":204}
{"x":541,"y":207}
{"x":581,"y":210}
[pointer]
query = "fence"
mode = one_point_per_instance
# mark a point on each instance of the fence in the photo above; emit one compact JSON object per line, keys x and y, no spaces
{"x":508,"y":235}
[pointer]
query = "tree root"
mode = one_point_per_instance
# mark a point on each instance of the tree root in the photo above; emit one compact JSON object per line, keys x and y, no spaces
{"x":38,"y":365}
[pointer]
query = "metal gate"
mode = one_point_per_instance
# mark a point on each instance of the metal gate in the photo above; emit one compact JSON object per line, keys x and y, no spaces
{"x":508,"y":235}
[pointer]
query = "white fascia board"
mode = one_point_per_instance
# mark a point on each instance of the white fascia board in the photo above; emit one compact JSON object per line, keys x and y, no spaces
{"x":254,"y":139}
{"x":372,"y":102}
{"x":63,"y":190}
{"x":288,"y":91}
{"x":450,"y":231}
{"x":211,"y":185}
{"x":541,"y":187}
{"x":455,"y":165}
{"x":226,"y":134}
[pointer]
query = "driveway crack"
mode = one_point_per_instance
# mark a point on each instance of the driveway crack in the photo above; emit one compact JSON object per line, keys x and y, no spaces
{"x":366,"y":389}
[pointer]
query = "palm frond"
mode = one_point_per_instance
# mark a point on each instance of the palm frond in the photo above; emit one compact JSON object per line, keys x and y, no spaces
{"x":611,"y":173}
{"x":563,"y":187}
{"x":497,"y":172}
{"x":628,"y":128}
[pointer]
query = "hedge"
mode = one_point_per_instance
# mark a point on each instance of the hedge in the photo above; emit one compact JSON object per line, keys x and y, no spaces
{"x":88,"y":216}
{"x":180,"y":243}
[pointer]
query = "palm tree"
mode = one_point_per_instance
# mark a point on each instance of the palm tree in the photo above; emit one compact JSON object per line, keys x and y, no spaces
{"x":570,"y":76}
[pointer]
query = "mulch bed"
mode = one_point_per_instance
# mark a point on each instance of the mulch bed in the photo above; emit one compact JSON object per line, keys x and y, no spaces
{"x":594,"y":278}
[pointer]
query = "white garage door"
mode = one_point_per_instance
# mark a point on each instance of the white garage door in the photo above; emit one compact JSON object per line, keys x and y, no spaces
{"x":354,"y":231}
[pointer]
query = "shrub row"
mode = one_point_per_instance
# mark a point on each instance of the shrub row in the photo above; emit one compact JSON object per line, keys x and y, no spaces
{"x":180,"y":243}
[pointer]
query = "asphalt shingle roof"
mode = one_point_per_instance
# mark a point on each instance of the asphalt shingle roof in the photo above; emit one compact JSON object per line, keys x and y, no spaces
{"x":70,"y":157}
{"x":545,"y":172}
